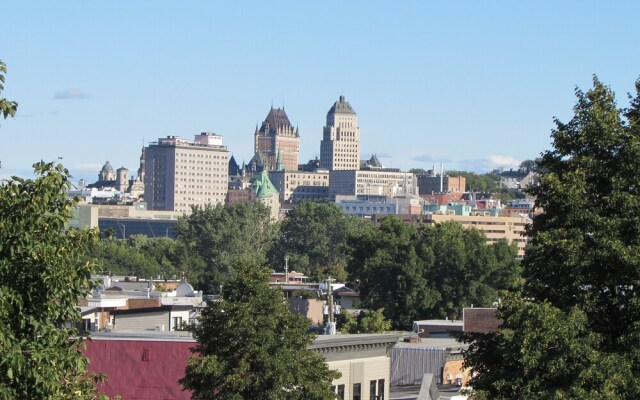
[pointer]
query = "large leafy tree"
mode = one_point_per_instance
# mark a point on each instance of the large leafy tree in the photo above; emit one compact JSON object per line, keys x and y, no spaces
{"x":391,"y":273}
{"x":315,"y":237}
{"x":251,"y":346}
{"x":463,"y":269}
{"x":585,"y":247}
{"x":41,"y":279}
{"x":432,"y":271}
{"x":140,"y":256}
{"x":582,"y":270}
{"x":542,"y":352}
{"x":219,"y":236}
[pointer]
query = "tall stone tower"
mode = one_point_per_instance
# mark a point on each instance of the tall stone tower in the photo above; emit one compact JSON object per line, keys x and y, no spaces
{"x":340,"y":145}
{"x":277,"y":135}
{"x":122,"y":179}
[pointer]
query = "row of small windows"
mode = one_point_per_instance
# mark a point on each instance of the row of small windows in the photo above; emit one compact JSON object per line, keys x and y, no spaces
{"x":200,"y":194}
{"x":200,"y":155}
{"x":363,"y":208}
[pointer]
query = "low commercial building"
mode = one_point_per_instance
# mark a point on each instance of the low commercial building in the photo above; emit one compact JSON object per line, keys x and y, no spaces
{"x":126,"y":220}
{"x":387,"y":182}
{"x":298,"y":186}
{"x":494,"y":228}
{"x":159,"y":360}
{"x":431,"y":184}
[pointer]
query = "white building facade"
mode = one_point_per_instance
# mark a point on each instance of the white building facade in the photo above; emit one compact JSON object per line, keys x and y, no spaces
{"x":180,"y":174}
{"x":372,"y":182}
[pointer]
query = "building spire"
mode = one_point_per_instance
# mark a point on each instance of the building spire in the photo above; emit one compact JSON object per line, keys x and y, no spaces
{"x":279,"y":165}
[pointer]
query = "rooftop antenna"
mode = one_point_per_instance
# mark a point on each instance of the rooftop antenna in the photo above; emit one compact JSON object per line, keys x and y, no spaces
{"x":441,"y":176}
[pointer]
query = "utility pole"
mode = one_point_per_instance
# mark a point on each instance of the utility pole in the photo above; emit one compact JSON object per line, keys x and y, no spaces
{"x":330,"y":299}
{"x":286,"y":269}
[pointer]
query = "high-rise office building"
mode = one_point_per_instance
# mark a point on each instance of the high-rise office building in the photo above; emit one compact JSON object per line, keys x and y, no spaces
{"x":277,"y":142}
{"x":340,"y":146}
{"x":180,"y":173}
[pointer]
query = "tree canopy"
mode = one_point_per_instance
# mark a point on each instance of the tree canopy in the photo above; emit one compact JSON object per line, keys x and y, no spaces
{"x":430,"y":271}
{"x":478,"y":182}
{"x":581,"y":270}
{"x":140,"y":256}
{"x":251,"y":346}
{"x":41,"y":279}
{"x":219,"y":236}
{"x":315,"y":239}
{"x":366,"y":321}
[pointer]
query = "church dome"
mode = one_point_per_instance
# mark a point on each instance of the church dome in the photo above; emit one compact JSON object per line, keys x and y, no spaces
{"x":107,"y":168}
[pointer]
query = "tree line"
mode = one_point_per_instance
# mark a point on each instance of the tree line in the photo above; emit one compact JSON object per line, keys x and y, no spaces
{"x":412,"y":272}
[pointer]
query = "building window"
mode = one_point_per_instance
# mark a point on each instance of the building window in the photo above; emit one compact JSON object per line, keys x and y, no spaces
{"x":355,"y":395}
{"x":376,"y":389}
{"x":339,"y":391}
{"x":177,"y":323}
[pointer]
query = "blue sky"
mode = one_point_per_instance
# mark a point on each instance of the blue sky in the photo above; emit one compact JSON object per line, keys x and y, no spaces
{"x":472,"y":84}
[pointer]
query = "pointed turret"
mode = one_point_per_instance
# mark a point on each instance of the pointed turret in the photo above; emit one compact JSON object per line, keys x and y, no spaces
{"x":279,"y":165}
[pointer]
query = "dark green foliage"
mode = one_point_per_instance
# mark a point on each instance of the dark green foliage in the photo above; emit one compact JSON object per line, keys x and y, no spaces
{"x":578,"y":334}
{"x":218,"y":236}
{"x":391,"y":273}
{"x":7,"y":107}
{"x":315,"y":238}
{"x":542,"y":352}
{"x":418,"y":171}
{"x":140,"y":256}
{"x":478,"y":182}
{"x":41,"y":280}
{"x":367,"y":321}
{"x":251,"y":346}
{"x":528,"y":166}
{"x":463,"y":269}
{"x":430,"y":271}
{"x":585,"y":247}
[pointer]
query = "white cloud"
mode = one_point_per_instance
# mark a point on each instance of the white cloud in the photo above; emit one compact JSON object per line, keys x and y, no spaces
{"x":487,"y":164}
{"x":71,"y":93}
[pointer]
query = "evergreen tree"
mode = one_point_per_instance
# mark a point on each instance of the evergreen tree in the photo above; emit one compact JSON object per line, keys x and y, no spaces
{"x":251,"y":346}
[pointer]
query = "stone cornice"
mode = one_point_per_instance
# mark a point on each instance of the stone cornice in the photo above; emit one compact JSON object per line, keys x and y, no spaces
{"x":351,"y":343}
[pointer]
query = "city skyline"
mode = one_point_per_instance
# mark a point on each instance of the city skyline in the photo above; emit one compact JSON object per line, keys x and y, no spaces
{"x":475,"y":86}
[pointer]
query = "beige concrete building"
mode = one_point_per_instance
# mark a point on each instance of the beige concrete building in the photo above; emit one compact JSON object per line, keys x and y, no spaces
{"x":363,"y":360}
{"x":494,"y":228}
{"x":180,"y":173}
{"x":340,"y":145}
{"x":390,"y":183}
{"x":301,"y":185}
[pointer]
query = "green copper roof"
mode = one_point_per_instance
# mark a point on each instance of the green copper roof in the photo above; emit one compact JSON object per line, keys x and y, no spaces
{"x":263,"y":186}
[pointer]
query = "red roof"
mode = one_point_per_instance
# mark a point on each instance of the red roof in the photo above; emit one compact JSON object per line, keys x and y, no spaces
{"x":140,"y":370}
